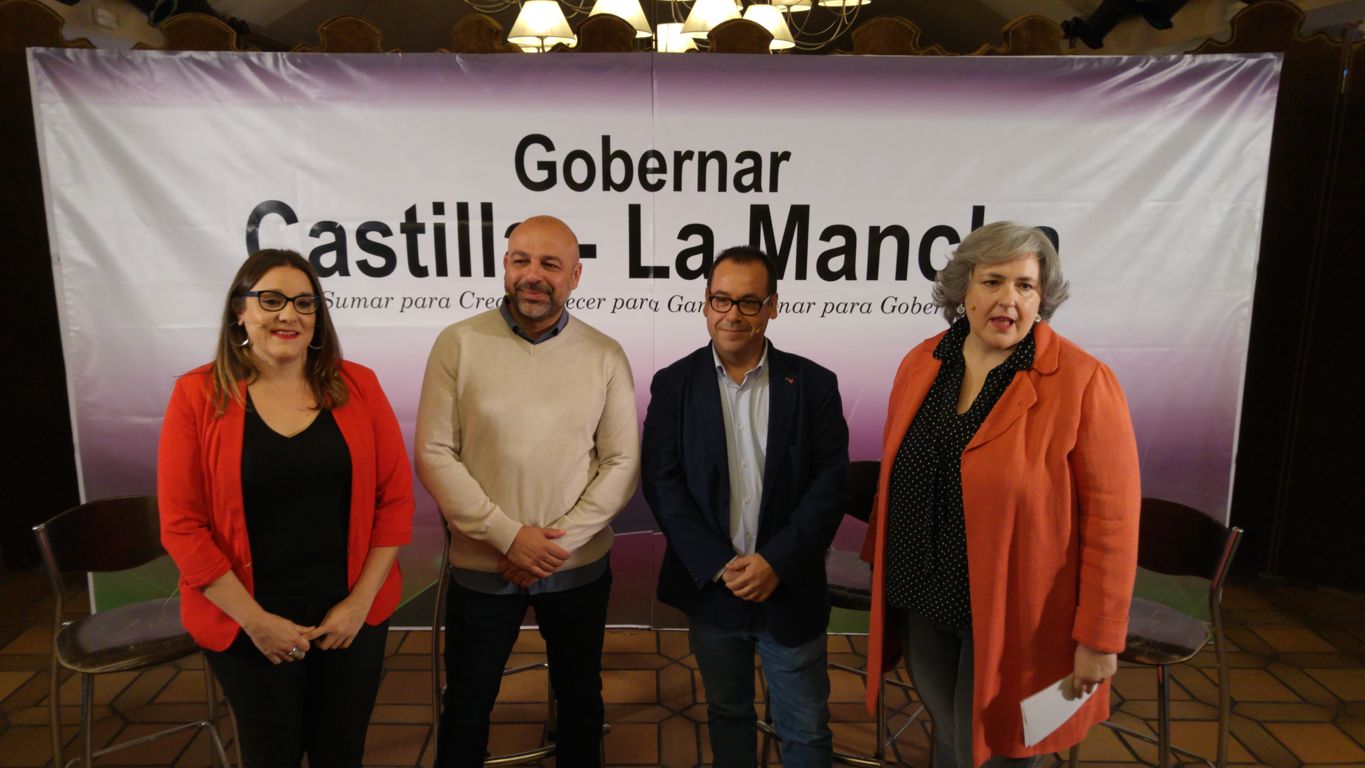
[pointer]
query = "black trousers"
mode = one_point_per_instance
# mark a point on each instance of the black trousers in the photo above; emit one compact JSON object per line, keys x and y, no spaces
{"x":941,"y":662}
{"x":480,"y":632}
{"x":320,"y":705}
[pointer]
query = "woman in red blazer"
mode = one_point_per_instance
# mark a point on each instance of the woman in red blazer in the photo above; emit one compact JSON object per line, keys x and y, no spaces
{"x":285,"y":492}
{"x":1004,"y":539}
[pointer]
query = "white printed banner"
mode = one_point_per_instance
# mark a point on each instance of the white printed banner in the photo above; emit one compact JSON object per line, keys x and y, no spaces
{"x":399,"y":175}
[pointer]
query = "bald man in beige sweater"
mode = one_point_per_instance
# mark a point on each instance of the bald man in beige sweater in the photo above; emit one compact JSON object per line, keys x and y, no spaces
{"x":527,"y":440}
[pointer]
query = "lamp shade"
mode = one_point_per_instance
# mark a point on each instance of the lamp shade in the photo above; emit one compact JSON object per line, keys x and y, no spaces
{"x":770,"y":18}
{"x":541,"y":23}
{"x":671,"y":40}
{"x":629,"y":10}
{"x":706,"y":14}
{"x":843,"y":3}
{"x":792,"y":6}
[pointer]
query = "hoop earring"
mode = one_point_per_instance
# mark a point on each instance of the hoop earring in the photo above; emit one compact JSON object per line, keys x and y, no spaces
{"x":962,"y":309}
{"x":319,"y":346}
{"x":245,"y":342}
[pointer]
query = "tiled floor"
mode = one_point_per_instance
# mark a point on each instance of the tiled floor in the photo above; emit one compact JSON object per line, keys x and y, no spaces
{"x":1298,"y":682}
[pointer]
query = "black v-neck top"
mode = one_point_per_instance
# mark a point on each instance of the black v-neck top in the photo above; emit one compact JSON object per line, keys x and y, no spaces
{"x":297,"y":496}
{"x":926,"y":565}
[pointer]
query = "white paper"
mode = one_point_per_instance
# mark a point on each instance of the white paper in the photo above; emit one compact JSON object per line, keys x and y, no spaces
{"x":1046,"y":710}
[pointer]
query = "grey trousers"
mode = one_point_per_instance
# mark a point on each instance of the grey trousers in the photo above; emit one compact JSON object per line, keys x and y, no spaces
{"x":940,"y":662}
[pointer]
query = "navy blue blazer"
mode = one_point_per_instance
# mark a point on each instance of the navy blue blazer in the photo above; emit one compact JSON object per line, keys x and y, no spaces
{"x":686,"y":475}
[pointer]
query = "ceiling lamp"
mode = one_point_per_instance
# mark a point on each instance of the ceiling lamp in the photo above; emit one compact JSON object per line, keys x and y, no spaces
{"x":669,"y":39}
{"x":541,"y":23}
{"x":806,"y":25}
{"x":770,"y":18}
{"x":707,"y":14}
{"x":629,"y":10}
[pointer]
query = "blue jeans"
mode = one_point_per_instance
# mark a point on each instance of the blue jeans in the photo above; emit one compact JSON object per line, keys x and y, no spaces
{"x":798,"y":691}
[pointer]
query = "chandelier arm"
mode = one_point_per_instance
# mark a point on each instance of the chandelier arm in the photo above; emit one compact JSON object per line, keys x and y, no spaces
{"x":845,"y":23}
{"x":843,"y":20}
{"x":853,"y":16}
{"x":576,"y":9}
{"x":803,"y":27}
{"x":490,"y":6}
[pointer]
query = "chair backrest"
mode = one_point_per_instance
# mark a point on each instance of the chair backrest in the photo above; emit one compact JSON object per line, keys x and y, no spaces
{"x":605,"y":33}
{"x":1182,"y":541}
{"x":1179,"y":540}
{"x":346,"y":34}
{"x":111,"y":534}
{"x":862,"y":488}
{"x":479,"y":33}
{"x":892,"y":36}
{"x":739,"y":36}
{"x":195,"y":32}
{"x":438,"y":612}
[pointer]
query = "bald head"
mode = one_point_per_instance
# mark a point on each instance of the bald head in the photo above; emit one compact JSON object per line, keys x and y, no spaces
{"x":541,"y":271}
{"x":546,"y":231}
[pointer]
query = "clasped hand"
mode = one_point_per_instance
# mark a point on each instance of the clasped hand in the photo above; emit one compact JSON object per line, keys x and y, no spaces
{"x":340,"y":626}
{"x":1092,"y":668}
{"x":278,"y":638}
{"x":750,"y":578}
{"x":281,"y":640}
{"x":532,"y":556}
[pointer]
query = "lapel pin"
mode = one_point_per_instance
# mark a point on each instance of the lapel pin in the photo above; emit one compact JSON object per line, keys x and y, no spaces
{"x":790,"y":379}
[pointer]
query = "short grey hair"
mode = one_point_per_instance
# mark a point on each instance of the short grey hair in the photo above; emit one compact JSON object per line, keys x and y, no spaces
{"x":997,"y":243}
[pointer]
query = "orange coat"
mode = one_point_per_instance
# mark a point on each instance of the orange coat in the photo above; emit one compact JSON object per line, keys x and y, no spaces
{"x":1050,"y":493}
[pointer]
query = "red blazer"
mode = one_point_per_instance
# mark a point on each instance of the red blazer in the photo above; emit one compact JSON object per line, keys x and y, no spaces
{"x":199,"y":492}
{"x":1050,"y":493}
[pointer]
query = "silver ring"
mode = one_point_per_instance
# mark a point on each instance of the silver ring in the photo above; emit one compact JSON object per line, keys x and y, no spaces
{"x":294,"y":653}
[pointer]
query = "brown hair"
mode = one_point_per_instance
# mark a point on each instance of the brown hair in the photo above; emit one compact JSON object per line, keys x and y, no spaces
{"x":233,"y":361}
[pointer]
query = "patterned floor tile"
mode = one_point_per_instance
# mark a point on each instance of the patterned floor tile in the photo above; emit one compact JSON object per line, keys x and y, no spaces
{"x":1318,"y":742}
{"x":1298,"y":690}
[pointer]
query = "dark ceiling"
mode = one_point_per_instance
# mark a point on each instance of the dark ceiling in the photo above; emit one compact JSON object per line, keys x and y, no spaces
{"x":423,"y":25}
{"x":957,"y":25}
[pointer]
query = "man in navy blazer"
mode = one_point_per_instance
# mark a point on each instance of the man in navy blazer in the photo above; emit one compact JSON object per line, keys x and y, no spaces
{"x":744,"y":458}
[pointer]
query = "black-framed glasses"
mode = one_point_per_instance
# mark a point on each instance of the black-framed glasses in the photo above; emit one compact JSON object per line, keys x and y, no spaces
{"x":748,"y":307}
{"x":274,"y":301}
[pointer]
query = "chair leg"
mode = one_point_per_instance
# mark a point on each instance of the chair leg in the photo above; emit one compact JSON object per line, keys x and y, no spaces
{"x":211,"y":696}
{"x":436,"y":688}
{"x":54,"y":706}
{"x":236,"y":736}
{"x":765,"y":732}
{"x":879,"y":751}
{"x":1073,"y":756}
{"x":1224,"y":690}
{"x":87,"y":720}
{"x":551,"y":713}
{"x":1163,"y":709}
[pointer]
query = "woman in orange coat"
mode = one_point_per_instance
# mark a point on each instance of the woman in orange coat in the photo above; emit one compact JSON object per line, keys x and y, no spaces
{"x":1004,"y":539}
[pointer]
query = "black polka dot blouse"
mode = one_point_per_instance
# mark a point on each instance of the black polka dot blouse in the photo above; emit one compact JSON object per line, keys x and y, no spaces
{"x":926,"y":551}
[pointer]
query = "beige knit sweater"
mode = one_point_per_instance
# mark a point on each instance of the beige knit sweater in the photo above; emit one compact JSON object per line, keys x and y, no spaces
{"x":512,"y":433}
